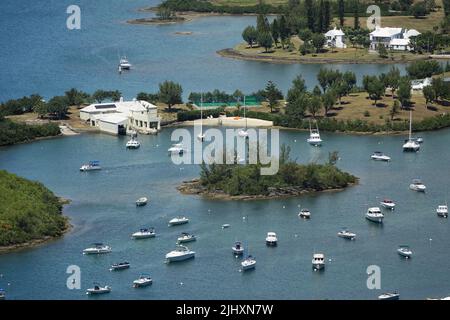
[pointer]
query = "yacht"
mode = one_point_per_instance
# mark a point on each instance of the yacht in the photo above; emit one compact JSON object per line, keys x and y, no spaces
{"x":97,"y":248}
{"x":124,"y":64}
{"x":389,"y":296}
{"x":176,"y":148}
{"x":133,"y":144}
{"x":119,"y":266}
{"x":344,"y":233}
{"x":271,"y":239}
{"x":92,"y":165}
{"x":388,"y":204}
{"x":411,"y":145}
{"x":243,"y":133}
{"x":98,"y":289}
{"x":201,"y":135}
{"x":404,"y":251}
{"x":318,"y":261}
{"x":304,"y":213}
{"x":374,"y":214}
{"x":238,"y":248}
{"x":141,"y":201}
{"x":179,"y":254}
{"x":442,"y":211}
{"x":144,"y":233}
{"x":226,"y":225}
{"x":178,"y":220}
{"x":417,"y":185}
{"x":248,"y":264}
{"x":380,"y":156}
{"x":186,"y":237}
{"x":142,"y":281}
{"x":314,"y":136}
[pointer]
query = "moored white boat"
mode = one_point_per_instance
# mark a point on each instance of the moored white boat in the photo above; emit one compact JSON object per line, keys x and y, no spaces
{"x":141,"y":201}
{"x":380,"y":156}
{"x":142,"y":281}
{"x":344,"y":233}
{"x":91,"y":166}
{"x":178,"y":220}
{"x":238,"y":248}
{"x":417,"y":185}
{"x":176,"y":148}
{"x":374,"y":214}
{"x":2,"y":294}
{"x":305,"y":213}
{"x":404,"y":251}
{"x":144,"y":233}
{"x":388,"y":204}
{"x":186,"y":237}
{"x":389,"y":296}
{"x":411,"y":145}
{"x":97,"y":248}
{"x":248,"y":264}
{"x":132,"y":144}
{"x":271,"y":239}
{"x":442,"y":211}
{"x":119,"y":266}
{"x":179,"y":254}
{"x":124,"y":64}
{"x":314,"y":136}
{"x":318,"y":261}
{"x":98,"y":289}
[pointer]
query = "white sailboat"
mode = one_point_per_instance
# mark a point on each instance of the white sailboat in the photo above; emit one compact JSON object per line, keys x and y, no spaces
{"x":243,"y":132}
{"x":314,"y":136}
{"x":201,"y":136}
{"x":411,"y":145}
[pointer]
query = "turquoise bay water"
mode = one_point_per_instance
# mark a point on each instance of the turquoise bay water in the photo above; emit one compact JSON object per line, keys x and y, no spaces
{"x":103,"y":209}
{"x":42,"y":56}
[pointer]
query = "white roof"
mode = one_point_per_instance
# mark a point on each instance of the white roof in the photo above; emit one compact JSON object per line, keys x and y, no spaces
{"x":399,"y":42}
{"x":115,"y":118}
{"x":411,"y":33}
{"x":119,"y":106}
{"x":385,"y":32}
{"x":335,"y":32}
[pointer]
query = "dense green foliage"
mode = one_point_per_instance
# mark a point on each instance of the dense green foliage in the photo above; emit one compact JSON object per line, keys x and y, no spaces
{"x":170,"y":93}
{"x":28,"y":211}
{"x":206,"y":6}
{"x":236,"y":179}
{"x":12,"y":132}
{"x":19,"y":106}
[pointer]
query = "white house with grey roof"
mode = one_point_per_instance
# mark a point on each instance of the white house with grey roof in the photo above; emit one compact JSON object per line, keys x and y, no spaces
{"x":122,"y":116}
{"x":335,"y":39}
{"x":392,"y":38}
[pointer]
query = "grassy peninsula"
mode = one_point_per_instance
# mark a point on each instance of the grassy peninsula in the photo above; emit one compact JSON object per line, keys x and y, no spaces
{"x":29,"y":212}
{"x":244,"y":182}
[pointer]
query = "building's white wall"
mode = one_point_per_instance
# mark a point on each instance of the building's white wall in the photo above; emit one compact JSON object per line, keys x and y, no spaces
{"x":112,"y":128}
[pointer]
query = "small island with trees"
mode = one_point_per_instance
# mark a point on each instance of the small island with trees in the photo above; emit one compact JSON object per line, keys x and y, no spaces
{"x":244,"y":182}
{"x":29,"y":213}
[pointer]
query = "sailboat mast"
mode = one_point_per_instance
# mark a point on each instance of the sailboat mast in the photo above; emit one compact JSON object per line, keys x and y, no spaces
{"x":201,"y":113}
{"x":410,"y":124}
{"x":245,"y":115}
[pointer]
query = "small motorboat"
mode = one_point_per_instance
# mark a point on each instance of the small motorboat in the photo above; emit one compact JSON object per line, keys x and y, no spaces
{"x":305,"y":214}
{"x":124,"y":64}
{"x":271,"y":239}
{"x":248,"y":264}
{"x":179,"y":254}
{"x":380,"y":156}
{"x":389,"y":296}
{"x":417,"y":185}
{"x":314,"y":136}
{"x":388,"y":204}
{"x":141,"y":202}
{"x":178,"y":220}
{"x":419,"y":140}
{"x":142,"y":281}
{"x":91,"y":166}
{"x":404,"y":251}
{"x":119,"y":266}
{"x":144,"y":233}
{"x":374,"y":214}
{"x":226,"y":225}
{"x":186,"y":237}
{"x":238,"y":248}
{"x":98,"y":289}
{"x":97,"y":248}
{"x":344,"y":233}
{"x":176,"y":148}
{"x":318,"y":261}
{"x":132,"y":144}
{"x":442,"y":211}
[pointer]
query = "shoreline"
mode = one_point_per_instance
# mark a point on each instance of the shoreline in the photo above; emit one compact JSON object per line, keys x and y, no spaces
{"x":235,"y":54}
{"x":193,"y":187}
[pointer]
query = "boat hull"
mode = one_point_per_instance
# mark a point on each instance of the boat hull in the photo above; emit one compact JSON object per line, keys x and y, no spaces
{"x":375,"y":219}
{"x":180,"y":258}
{"x":248,"y":266}
{"x":141,"y":284}
{"x":318,"y":266}
{"x":177,"y":223}
{"x":271,"y":243}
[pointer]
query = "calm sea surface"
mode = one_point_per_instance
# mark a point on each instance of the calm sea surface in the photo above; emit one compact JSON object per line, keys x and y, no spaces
{"x":40,"y":55}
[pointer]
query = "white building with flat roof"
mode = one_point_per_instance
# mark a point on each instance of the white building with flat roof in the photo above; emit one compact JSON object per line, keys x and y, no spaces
{"x":335,"y":39}
{"x":122,"y":116}
{"x":392,"y":38}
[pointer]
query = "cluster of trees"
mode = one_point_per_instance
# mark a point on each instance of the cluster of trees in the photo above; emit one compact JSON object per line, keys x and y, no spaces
{"x":19,"y":106}
{"x":247,"y":180}
{"x":438,"y":91}
{"x":12,"y":132}
{"x":423,"y":69}
{"x":216,"y":96}
{"x":28,"y":211}
{"x":430,"y":41}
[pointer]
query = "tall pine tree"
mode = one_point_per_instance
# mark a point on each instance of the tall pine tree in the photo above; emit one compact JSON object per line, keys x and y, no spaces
{"x":356,"y":22}
{"x":310,"y":14}
{"x":327,"y":16}
{"x":341,"y":9}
